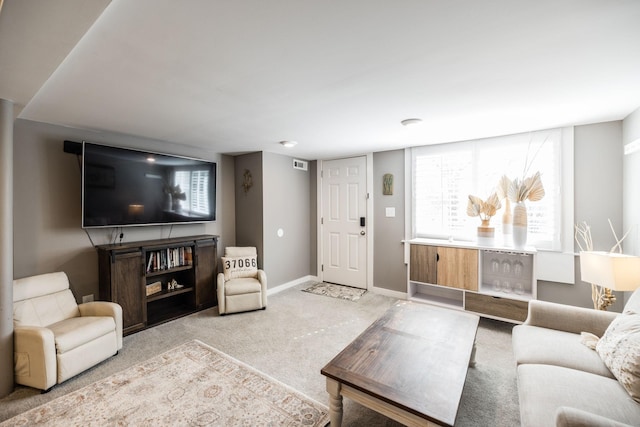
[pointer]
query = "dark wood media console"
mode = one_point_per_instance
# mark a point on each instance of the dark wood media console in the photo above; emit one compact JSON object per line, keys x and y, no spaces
{"x":129,"y":271}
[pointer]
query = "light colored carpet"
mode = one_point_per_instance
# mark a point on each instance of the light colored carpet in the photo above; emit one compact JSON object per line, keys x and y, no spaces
{"x":336,"y":291}
{"x":292,"y":340}
{"x":193,"y":384}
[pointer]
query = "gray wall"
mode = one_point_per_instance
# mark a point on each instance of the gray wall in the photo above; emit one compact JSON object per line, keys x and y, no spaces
{"x":249,"y":204}
{"x":6,"y":247}
{"x":47,"y":205}
{"x":313,"y":218}
{"x":280,"y":199}
{"x":597,"y":198}
{"x":631,"y":188}
{"x":47,"y":210}
{"x":287,"y":206}
{"x":389,"y":271}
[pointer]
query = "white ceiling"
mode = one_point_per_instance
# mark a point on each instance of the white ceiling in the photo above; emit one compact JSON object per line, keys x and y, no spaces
{"x":337,"y":76}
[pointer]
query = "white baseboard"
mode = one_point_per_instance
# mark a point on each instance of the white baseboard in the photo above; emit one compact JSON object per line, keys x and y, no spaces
{"x":291,"y":284}
{"x":389,"y":293}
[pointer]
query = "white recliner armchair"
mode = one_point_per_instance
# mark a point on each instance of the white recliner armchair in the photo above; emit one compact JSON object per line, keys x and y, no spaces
{"x":54,"y":337}
{"x":242,"y":286}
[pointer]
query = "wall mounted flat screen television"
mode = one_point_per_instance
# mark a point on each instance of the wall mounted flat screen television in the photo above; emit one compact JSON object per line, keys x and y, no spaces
{"x":124,"y":187}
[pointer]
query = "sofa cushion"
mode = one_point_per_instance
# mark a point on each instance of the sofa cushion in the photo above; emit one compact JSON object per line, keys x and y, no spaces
{"x":46,"y":309}
{"x":40,"y":285}
{"x":619,"y":348}
{"x":633,"y":303}
{"x":71,"y":333}
{"x":532,"y":344}
{"x":240,"y":267}
{"x":543,"y":389}
{"x":242,"y":286}
{"x":572,"y":417}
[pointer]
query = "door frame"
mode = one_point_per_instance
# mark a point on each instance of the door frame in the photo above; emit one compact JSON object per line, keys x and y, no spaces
{"x":369,"y":212}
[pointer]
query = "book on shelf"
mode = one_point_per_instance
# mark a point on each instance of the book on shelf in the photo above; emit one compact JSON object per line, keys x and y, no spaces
{"x":165,"y":259}
{"x":150,"y":263}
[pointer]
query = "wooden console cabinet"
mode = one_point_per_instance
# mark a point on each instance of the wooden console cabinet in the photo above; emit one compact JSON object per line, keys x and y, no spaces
{"x":445,"y":266}
{"x":138,"y":276}
{"x":492,"y":282}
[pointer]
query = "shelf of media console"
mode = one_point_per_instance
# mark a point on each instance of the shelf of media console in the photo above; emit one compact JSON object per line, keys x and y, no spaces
{"x":455,"y":297}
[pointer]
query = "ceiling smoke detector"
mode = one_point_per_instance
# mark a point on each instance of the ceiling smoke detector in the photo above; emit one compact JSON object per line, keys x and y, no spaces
{"x":411,"y":122}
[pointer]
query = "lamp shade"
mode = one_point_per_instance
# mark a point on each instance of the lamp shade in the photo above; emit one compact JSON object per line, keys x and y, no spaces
{"x":615,"y":271}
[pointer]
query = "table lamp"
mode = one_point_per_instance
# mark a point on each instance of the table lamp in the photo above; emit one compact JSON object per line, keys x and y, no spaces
{"x":607,"y":272}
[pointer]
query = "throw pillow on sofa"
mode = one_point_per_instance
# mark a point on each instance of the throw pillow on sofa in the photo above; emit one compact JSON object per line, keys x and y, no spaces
{"x":619,"y":349}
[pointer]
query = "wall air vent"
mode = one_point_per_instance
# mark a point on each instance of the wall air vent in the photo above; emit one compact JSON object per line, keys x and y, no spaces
{"x":303,"y":165}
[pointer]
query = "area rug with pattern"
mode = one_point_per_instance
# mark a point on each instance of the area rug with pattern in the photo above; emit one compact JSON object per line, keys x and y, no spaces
{"x":336,"y":291}
{"x":193,"y":384}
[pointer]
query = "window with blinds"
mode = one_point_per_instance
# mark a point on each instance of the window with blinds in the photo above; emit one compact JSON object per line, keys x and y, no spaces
{"x":445,"y":175}
{"x":194,"y":183}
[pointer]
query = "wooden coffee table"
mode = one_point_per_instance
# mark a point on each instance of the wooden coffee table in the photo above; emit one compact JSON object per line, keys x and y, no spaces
{"x":410,"y":365}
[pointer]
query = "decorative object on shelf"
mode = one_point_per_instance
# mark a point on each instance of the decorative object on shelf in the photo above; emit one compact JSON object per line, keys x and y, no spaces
{"x":507,"y":217}
{"x":154,"y":288}
{"x":606,"y":271}
{"x":387,"y":184}
{"x":520,"y":225}
{"x":484,"y":209}
{"x":173,"y":285}
{"x":247,"y":182}
{"x":521,"y":190}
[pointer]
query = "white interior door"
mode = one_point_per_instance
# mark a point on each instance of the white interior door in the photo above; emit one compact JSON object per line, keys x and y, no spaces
{"x":344,"y":206}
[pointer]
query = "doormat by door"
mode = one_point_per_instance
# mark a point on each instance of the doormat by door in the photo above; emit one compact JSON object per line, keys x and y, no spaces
{"x":336,"y":291}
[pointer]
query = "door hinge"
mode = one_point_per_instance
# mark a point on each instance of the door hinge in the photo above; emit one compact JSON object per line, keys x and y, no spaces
{"x":322,"y":267}
{"x":322,"y":221}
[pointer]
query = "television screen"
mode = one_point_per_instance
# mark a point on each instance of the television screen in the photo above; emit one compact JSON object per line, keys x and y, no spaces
{"x":124,"y":187}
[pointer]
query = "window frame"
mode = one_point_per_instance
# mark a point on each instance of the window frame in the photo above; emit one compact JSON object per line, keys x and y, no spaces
{"x":563,"y":193}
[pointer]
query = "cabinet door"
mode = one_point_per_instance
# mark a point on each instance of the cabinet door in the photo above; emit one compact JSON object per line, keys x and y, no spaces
{"x":458,"y":268}
{"x":423,"y":263}
{"x":128,"y":289}
{"x":206,"y":266}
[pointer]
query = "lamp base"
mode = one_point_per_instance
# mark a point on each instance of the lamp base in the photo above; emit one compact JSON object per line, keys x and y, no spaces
{"x":602,"y":297}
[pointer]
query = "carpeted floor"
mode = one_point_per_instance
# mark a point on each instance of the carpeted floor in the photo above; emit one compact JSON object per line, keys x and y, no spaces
{"x":292,"y":340}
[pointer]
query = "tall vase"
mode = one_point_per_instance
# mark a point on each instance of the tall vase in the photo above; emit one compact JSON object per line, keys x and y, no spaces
{"x":520,"y":225}
{"x":507,"y":224}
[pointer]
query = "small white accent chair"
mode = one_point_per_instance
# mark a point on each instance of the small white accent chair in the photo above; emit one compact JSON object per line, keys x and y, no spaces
{"x":242,"y":286}
{"x":54,"y":337}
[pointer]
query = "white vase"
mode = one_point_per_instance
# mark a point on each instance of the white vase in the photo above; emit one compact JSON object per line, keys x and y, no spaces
{"x":520,"y":225}
{"x":486,"y":234}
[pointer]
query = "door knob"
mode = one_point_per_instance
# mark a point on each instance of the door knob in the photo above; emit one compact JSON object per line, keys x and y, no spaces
{"x":362,"y":233}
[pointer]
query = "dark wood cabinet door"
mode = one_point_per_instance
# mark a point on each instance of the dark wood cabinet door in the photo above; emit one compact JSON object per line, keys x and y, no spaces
{"x":128,"y":289}
{"x":206,"y":269}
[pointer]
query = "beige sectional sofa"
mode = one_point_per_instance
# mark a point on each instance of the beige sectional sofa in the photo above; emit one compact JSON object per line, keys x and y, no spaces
{"x":564,"y":382}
